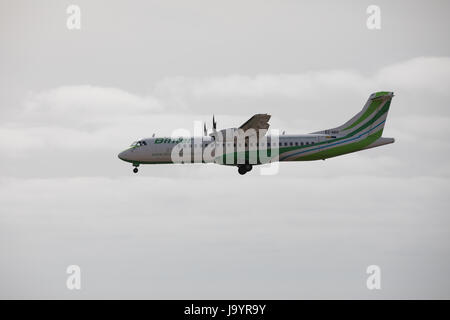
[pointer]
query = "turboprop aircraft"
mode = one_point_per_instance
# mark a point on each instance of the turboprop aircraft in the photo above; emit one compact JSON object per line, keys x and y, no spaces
{"x":250,"y":144}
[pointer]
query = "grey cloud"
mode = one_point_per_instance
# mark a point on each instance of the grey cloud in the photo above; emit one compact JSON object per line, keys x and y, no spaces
{"x":138,"y":224}
{"x":70,"y":122}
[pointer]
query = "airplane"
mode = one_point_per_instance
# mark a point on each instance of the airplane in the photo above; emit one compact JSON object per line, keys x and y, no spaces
{"x":244,"y":150}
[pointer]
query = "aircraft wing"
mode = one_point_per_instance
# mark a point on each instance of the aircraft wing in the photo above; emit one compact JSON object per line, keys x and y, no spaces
{"x":257,"y":122}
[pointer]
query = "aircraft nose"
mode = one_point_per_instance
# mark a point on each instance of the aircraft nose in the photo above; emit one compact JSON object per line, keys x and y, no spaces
{"x":122,"y":156}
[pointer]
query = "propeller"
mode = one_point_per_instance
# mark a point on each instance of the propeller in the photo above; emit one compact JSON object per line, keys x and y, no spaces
{"x":205,"y":131}
{"x":214,"y":124}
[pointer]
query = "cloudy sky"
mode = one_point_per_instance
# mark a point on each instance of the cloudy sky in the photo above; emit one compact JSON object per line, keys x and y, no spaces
{"x":71,"y":100}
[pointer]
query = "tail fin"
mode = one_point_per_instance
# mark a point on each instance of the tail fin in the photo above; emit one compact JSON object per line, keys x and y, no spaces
{"x":372,"y":115}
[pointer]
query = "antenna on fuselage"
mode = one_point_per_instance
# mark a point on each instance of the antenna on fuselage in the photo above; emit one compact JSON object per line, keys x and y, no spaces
{"x":214,"y":126}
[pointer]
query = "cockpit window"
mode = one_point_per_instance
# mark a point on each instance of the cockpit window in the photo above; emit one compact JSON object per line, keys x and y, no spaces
{"x":139,"y":143}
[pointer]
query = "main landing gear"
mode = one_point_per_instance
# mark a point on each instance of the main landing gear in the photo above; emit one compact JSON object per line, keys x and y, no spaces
{"x":135,"y":170}
{"x":243,"y":169}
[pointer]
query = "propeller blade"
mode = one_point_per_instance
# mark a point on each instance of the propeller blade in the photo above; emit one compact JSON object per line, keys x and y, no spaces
{"x":214,"y":123}
{"x":205,"y":132}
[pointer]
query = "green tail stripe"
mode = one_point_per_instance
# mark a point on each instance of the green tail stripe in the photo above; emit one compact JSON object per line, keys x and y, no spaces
{"x":381,"y":93}
{"x":368,"y":123}
{"x":380,"y":113}
{"x":373,"y":106}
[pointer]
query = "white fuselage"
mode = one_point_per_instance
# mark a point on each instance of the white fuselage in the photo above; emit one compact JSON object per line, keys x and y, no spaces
{"x":162,"y":150}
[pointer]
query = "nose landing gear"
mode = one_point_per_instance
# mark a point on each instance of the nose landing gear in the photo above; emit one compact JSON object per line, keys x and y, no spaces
{"x":135,"y":170}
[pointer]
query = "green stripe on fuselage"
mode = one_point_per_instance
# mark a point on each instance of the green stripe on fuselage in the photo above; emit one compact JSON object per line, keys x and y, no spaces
{"x":340,"y":150}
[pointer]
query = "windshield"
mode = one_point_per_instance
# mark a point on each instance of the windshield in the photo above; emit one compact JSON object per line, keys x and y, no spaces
{"x":139,"y":143}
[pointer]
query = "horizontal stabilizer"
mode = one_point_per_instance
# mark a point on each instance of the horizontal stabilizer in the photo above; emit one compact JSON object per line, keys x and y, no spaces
{"x":380,"y":142}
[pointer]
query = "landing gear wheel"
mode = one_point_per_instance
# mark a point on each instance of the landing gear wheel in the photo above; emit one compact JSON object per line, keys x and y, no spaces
{"x":248,"y":167}
{"x":242,"y":170}
{"x":135,"y":170}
